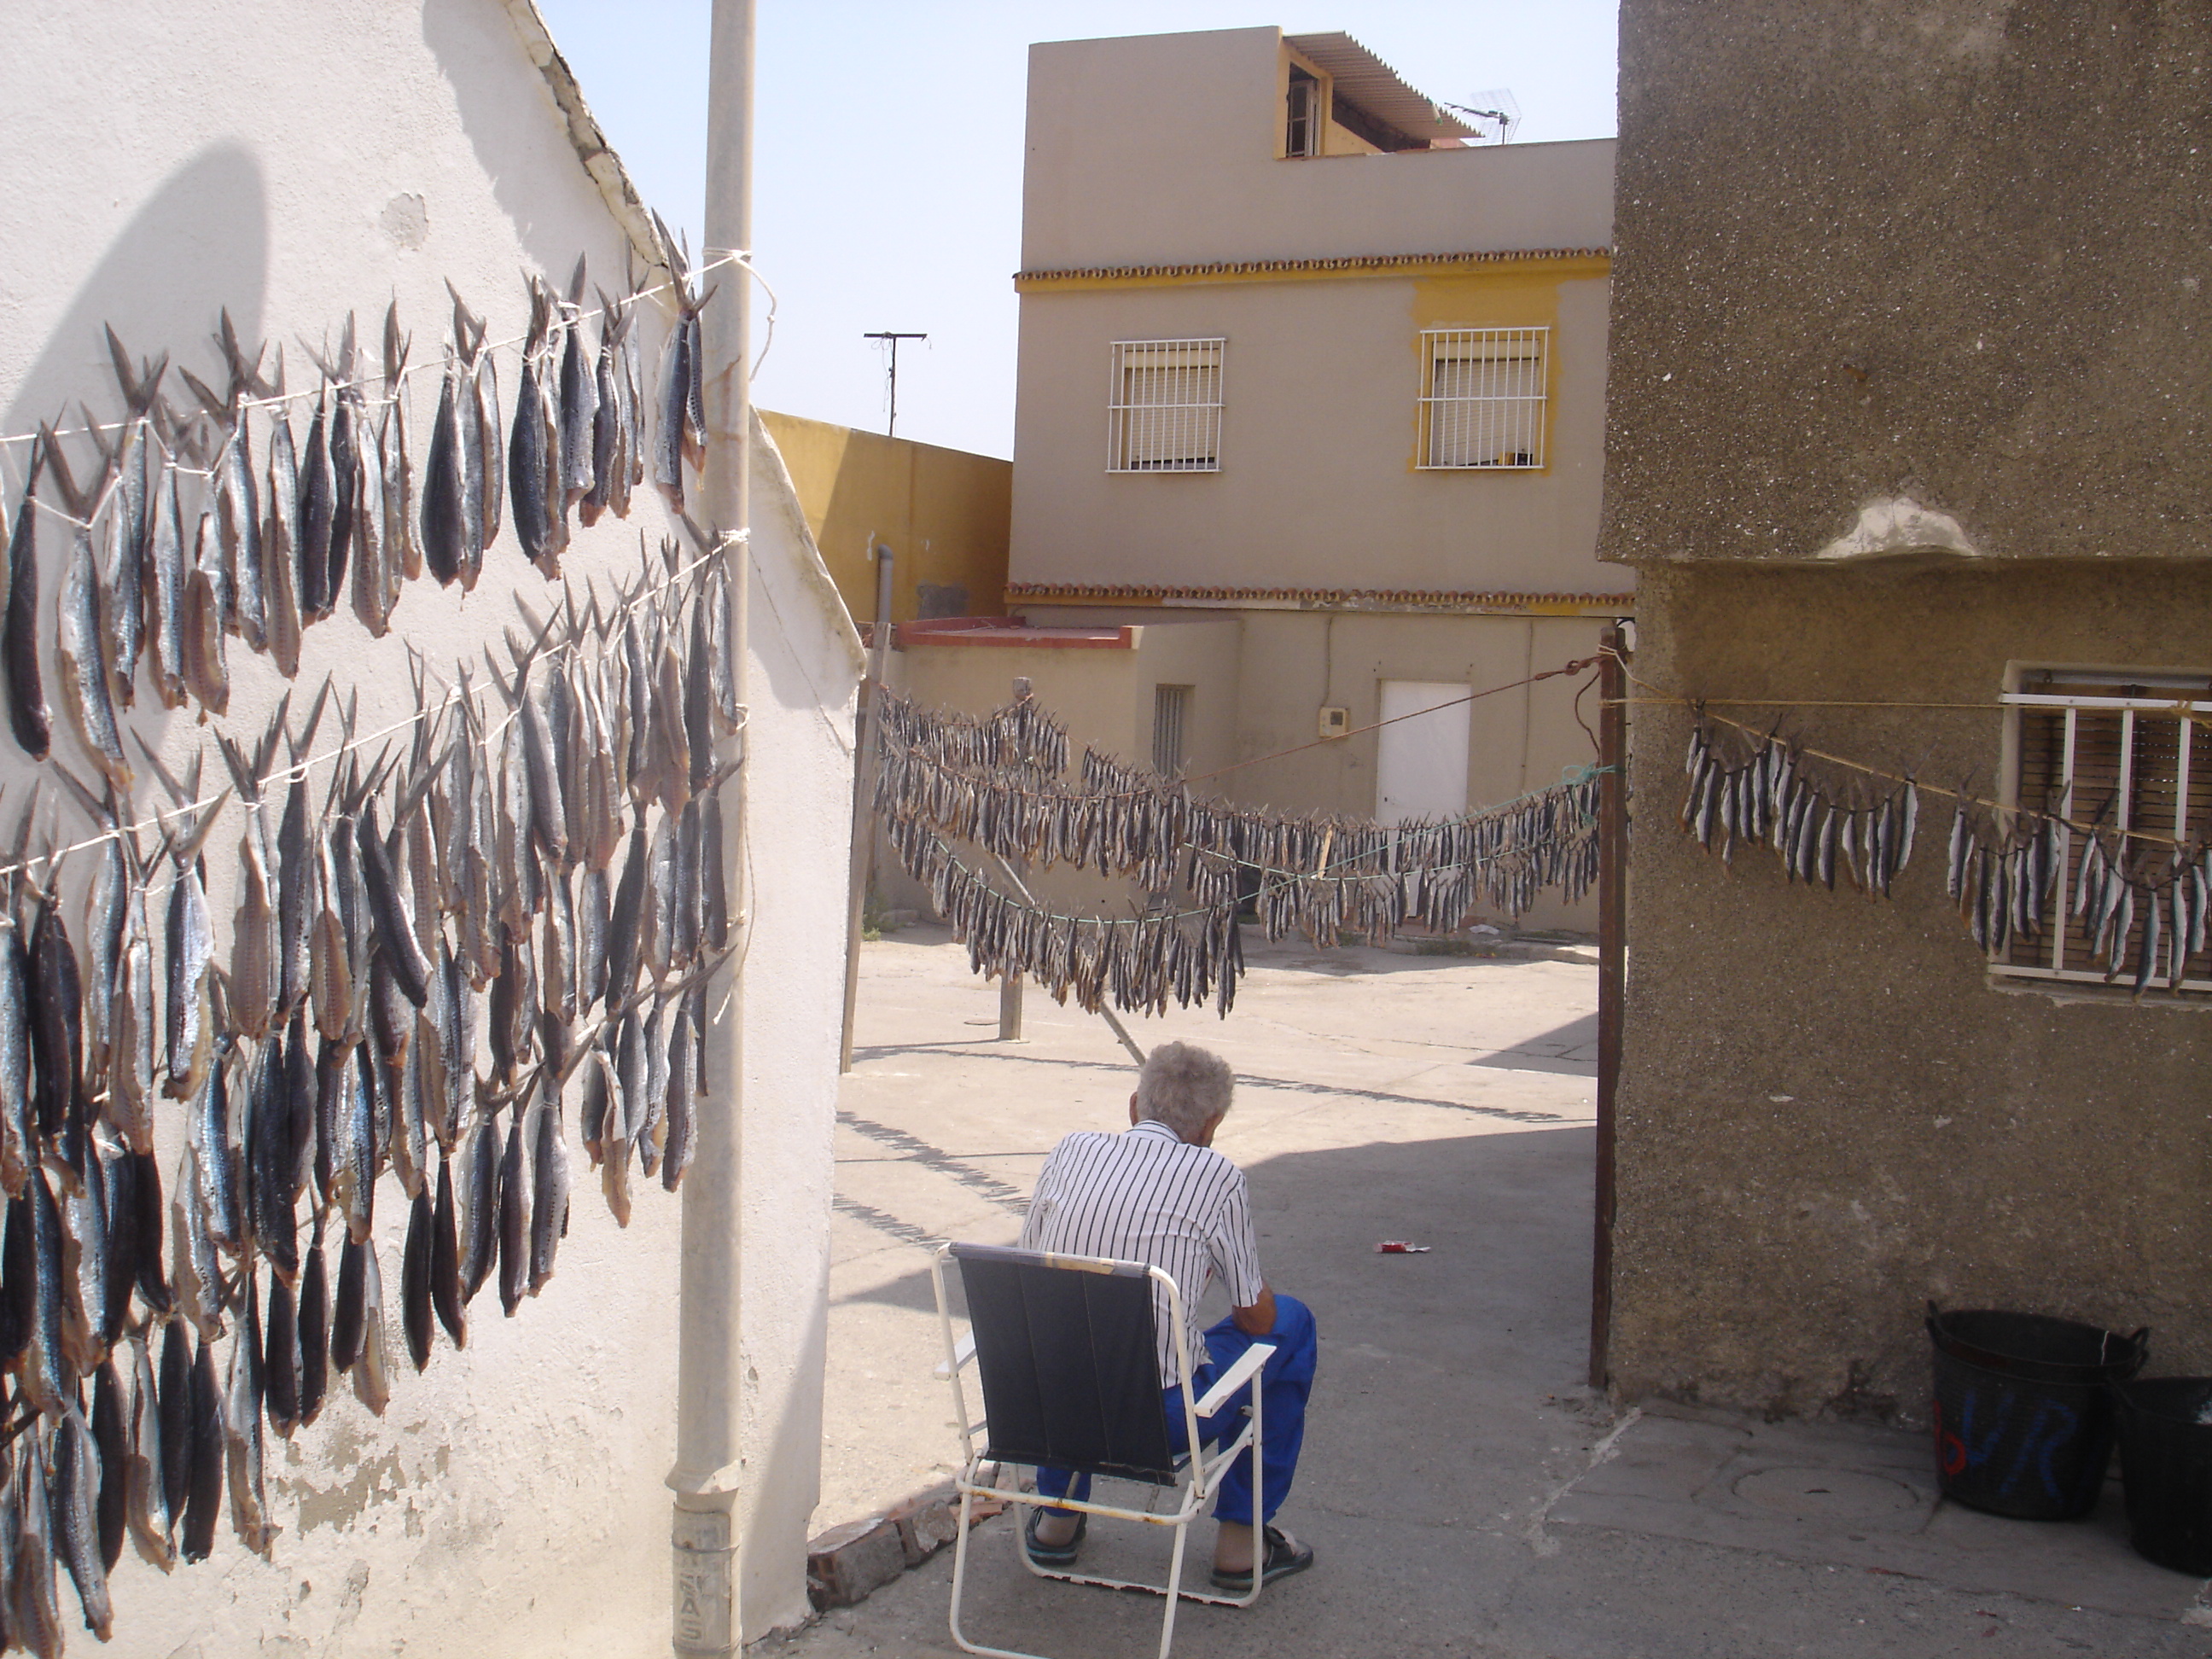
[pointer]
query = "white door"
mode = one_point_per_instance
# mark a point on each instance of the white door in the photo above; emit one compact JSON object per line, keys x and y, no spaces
{"x":1420,"y":769}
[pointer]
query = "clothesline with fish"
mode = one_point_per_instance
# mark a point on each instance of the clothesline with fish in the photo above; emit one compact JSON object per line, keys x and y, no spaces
{"x":996,"y":780}
{"x":2005,"y":864}
{"x":161,"y":818}
{"x":718,"y":260}
{"x":424,"y":950}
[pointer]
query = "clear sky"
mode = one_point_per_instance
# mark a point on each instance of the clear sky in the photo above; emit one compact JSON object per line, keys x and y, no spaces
{"x":888,"y":157}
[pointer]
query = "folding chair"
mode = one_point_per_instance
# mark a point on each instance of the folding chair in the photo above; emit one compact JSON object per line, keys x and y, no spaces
{"x":1066,"y":1349}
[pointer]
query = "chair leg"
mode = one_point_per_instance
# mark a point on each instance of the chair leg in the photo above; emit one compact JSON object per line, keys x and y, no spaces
{"x":960,"y":1567}
{"x":1175,"y":1588}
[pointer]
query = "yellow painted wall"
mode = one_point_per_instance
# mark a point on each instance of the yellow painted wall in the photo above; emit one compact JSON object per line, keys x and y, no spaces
{"x":1495,"y":298}
{"x":943,"y":512}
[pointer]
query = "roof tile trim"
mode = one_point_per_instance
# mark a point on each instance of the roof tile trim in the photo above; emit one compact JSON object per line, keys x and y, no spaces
{"x":1346,"y":598}
{"x":1350,"y":262}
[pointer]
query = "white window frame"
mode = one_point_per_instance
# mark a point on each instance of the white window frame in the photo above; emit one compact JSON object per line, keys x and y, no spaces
{"x":1180,"y":432}
{"x":2059,"y":954}
{"x":1494,"y":417}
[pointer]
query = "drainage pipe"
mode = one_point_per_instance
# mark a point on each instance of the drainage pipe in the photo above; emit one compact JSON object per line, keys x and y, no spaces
{"x":710,"y":1399}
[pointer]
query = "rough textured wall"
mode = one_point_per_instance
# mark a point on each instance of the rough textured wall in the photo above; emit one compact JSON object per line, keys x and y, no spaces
{"x":511,"y":1501}
{"x":1828,"y":1113}
{"x":1951,"y":251}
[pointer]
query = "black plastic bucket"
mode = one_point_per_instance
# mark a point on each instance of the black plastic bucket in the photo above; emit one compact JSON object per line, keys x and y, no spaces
{"x":2024,"y":1414}
{"x":2165,"y":1462}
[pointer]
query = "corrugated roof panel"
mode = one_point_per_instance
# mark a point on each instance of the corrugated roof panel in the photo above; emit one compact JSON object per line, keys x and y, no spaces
{"x":1365,"y":81}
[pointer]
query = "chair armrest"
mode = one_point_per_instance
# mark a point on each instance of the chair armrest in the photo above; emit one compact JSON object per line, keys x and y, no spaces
{"x":1246,"y":1368}
{"x":961,"y":1353}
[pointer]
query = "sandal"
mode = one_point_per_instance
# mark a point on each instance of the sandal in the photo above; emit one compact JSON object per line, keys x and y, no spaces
{"x":1286,"y":1556}
{"x":1054,"y":1555}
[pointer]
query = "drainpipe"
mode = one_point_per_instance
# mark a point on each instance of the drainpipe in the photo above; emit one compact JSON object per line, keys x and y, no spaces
{"x":709,"y":1400}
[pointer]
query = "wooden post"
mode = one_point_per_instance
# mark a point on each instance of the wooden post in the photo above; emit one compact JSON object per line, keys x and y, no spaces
{"x":1010,"y":985}
{"x":1611,"y":976}
{"x":865,"y":765}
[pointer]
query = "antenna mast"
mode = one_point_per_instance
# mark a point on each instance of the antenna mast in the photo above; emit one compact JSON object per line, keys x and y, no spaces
{"x":891,"y":429}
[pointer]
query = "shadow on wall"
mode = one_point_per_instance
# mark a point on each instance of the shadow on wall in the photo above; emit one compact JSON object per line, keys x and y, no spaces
{"x":507,"y":112}
{"x":200,"y":243}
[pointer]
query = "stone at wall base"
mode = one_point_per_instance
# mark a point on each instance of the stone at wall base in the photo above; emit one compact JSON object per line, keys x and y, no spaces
{"x":847,"y":1564}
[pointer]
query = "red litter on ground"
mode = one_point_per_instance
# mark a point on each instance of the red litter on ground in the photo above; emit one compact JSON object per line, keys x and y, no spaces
{"x":1400,"y":1247}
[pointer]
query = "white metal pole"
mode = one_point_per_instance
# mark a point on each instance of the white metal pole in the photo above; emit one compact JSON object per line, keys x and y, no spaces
{"x":709,"y":1400}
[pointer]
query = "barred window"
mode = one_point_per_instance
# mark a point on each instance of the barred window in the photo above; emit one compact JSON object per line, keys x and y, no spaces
{"x":1164,"y":415}
{"x":2122,"y":750}
{"x":1170,"y":706}
{"x":1483,"y":397}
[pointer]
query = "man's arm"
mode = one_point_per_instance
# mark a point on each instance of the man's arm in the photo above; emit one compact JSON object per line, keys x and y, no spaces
{"x":1236,"y":1259}
{"x":1259,"y":1319}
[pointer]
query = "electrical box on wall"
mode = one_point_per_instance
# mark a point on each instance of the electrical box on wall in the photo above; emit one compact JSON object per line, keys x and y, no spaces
{"x":1335,"y":722}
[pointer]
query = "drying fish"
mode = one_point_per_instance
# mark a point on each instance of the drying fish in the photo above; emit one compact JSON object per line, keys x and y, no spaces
{"x":445,"y":527}
{"x":36,"y":1605}
{"x":146,"y":1499}
{"x":208,"y":607}
{"x":478,"y":1212}
{"x":176,"y":1420}
{"x":477,"y":483}
{"x":111,"y":1436}
{"x":28,"y":716}
{"x":531,"y":467}
{"x":514,"y":1220}
{"x":130,"y":577}
{"x":243,"y":1443}
{"x":398,"y":475}
{"x":314,"y":1332}
{"x":372,"y":1381}
{"x":75,"y":1516}
{"x":203,"y":1501}
{"x":549,"y":1199}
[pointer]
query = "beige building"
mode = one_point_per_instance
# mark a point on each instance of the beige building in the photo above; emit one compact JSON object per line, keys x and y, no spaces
{"x":1303,"y":363}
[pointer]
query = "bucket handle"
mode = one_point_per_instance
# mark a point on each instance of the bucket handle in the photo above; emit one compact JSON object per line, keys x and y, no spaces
{"x":2138,"y":1343}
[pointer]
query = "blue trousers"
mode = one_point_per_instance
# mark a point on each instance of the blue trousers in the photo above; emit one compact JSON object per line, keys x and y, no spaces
{"x":1284,"y":1383}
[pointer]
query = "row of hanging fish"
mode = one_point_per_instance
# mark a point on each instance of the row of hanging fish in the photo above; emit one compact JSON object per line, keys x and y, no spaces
{"x":1122,"y":820}
{"x":180,"y":541}
{"x":1437,"y":896}
{"x":1139,"y":965}
{"x":424,"y":951}
{"x":1770,"y":793}
{"x":1023,"y":734}
{"x":2139,"y":914}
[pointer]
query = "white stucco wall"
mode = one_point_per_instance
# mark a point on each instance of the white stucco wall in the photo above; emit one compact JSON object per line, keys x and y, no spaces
{"x":294,"y":164}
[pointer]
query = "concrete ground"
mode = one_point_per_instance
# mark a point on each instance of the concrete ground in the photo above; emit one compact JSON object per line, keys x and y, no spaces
{"x":1466,"y":1493}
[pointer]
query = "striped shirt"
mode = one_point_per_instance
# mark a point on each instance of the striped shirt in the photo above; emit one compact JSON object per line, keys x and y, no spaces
{"x":1148,"y":1195}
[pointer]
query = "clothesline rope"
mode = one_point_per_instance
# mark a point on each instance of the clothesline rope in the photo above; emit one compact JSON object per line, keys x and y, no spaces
{"x":389,"y":382}
{"x":163,"y":817}
{"x":2013,"y":809}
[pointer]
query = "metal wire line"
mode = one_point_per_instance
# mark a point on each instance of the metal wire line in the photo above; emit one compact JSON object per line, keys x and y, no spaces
{"x":300,"y":768}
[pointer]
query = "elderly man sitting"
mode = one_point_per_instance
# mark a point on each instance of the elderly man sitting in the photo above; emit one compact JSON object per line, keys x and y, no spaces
{"x":1158,"y":1193}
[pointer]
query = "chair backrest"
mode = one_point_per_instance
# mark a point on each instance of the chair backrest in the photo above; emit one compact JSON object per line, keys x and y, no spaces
{"x":1066,"y":1351}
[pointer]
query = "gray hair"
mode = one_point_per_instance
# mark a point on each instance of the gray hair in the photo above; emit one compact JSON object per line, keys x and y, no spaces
{"x":1183,"y":1086}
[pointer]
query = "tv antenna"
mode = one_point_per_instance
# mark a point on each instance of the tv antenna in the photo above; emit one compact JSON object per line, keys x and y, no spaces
{"x":891,"y":429}
{"x":1498,"y":109}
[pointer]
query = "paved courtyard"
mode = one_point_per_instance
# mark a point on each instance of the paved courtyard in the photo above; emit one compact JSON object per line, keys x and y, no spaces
{"x":1466,"y":1492}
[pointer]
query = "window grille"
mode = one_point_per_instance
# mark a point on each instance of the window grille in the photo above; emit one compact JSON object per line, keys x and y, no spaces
{"x":1165,"y":413}
{"x":1170,"y":704}
{"x":1483,"y":397}
{"x":2122,"y":751}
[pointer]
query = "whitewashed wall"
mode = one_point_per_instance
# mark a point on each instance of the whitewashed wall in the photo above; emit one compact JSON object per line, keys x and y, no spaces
{"x":293,"y":163}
